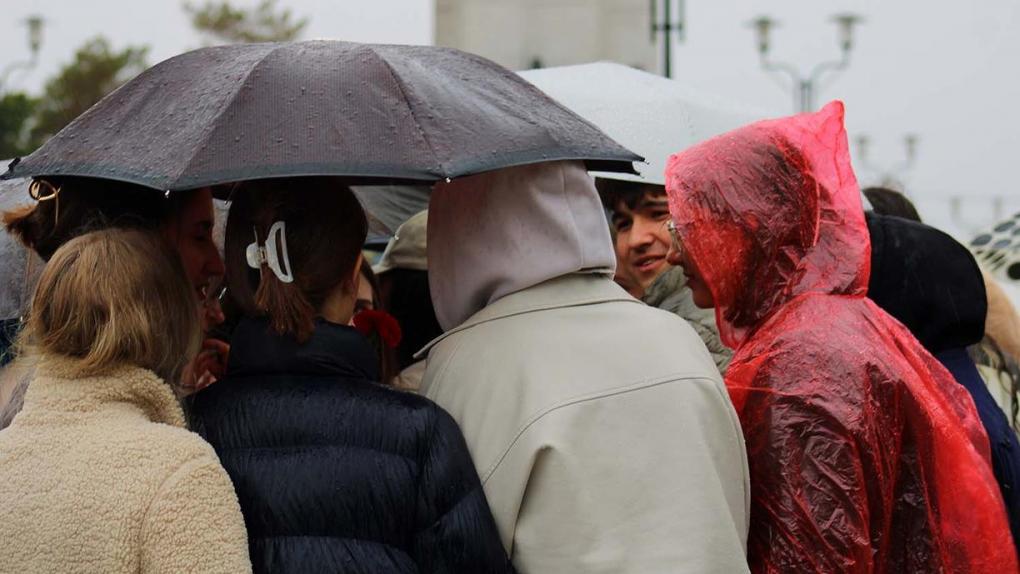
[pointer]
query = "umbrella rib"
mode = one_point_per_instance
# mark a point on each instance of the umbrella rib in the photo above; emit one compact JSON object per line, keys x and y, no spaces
{"x":410,"y":110}
{"x":229,"y":102}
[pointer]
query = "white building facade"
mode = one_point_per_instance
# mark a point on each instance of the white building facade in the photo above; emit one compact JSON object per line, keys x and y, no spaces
{"x":523,"y":34}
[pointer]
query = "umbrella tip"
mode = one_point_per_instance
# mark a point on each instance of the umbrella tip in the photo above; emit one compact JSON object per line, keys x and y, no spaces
{"x":14,"y":162}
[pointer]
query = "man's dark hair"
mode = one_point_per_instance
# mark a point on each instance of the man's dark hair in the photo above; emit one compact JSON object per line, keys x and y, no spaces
{"x":885,"y":201}
{"x":614,"y":191}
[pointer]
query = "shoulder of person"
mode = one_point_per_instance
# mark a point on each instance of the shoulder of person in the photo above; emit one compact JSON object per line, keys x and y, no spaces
{"x":178,"y":444}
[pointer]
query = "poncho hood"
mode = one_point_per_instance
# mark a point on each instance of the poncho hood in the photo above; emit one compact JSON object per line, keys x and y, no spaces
{"x":496,"y":233}
{"x":865,"y":455}
{"x":775,"y":205}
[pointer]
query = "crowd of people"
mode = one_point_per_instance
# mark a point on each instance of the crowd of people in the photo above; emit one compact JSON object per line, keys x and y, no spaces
{"x":740,"y":371}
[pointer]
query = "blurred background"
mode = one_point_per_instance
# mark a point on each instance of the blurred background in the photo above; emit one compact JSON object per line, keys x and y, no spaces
{"x":930,"y":86}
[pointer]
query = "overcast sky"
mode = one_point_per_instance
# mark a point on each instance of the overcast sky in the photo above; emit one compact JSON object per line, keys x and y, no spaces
{"x":944,"y":70}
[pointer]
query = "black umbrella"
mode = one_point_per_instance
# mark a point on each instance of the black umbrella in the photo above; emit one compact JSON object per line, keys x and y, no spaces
{"x":364,"y":111}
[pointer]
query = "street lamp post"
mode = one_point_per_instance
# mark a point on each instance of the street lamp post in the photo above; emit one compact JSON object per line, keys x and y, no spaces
{"x":35,"y":34}
{"x":667,"y":26}
{"x":805,"y":86}
{"x":889,"y":177}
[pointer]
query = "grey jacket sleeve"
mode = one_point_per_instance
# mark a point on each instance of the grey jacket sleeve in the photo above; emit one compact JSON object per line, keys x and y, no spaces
{"x":669,"y":292}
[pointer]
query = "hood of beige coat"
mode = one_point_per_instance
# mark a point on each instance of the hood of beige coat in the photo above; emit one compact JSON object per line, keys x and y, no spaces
{"x":497,"y":233}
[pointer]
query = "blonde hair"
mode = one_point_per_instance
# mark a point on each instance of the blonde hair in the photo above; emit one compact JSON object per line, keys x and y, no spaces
{"x":116,"y":297}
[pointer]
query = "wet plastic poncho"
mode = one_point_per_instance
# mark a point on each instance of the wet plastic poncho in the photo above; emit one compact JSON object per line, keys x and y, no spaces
{"x":865,"y":455}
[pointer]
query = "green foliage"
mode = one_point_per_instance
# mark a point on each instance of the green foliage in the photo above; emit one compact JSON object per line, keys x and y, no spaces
{"x":16,"y":111}
{"x":225,"y":23}
{"x":96,"y":71}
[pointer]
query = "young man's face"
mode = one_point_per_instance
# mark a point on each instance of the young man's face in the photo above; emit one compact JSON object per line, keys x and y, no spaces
{"x":642,"y":239}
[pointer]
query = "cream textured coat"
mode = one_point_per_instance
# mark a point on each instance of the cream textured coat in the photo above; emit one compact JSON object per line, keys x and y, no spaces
{"x":600,"y":427}
{"x":99,"y":474}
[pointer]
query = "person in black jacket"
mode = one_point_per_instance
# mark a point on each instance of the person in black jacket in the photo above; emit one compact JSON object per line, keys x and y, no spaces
{"x":334,"y":472}
{"x":932,"y":284}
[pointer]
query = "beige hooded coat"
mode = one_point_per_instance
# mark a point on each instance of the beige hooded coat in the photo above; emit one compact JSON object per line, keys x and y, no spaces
{"x":599,"y":426}
{"x":98,"y":474}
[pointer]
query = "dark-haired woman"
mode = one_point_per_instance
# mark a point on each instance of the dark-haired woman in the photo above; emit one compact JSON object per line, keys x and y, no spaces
{"x":334,"y":472}
{"x":68,"y":207}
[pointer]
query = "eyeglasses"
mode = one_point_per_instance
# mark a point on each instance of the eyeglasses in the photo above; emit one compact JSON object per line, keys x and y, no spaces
{"x":674,"y":237}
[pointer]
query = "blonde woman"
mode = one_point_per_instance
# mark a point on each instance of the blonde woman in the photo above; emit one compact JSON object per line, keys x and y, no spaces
{"x":98,"y":472}
{"x":71,"y":206}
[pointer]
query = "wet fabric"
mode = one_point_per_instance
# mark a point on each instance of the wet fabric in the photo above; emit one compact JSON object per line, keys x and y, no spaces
{"x":322,"y":107}
{"x":931,"y":283}
{"x":865,"y":455}
{"x":336,"y":473}
{"x":511,"y":229}
{"x":1002,"y":440}
{"x":600,"y":426}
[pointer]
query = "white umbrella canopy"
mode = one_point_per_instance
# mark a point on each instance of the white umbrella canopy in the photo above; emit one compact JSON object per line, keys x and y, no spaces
{"x":651,"y":115}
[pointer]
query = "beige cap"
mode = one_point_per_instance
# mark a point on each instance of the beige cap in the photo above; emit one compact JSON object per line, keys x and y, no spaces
{"x":406,"y":250}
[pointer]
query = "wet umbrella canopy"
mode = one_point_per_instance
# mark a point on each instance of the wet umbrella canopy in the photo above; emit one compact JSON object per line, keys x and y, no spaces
{"x":405,"y":113}
{"x":649,"y":114}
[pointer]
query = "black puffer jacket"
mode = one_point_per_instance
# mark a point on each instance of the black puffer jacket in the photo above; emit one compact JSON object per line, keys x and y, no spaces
{"x":336,"y":473}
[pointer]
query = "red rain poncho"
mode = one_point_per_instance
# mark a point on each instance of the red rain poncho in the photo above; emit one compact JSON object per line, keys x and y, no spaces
{"x":865,"y":455}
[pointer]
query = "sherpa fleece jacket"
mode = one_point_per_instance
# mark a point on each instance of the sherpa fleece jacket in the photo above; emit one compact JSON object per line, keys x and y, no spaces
{"x":98,"y":474}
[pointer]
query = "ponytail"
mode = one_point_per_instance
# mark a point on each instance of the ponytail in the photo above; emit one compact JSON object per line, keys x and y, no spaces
{"x":325,"y":231}
{"x":286,"y":306}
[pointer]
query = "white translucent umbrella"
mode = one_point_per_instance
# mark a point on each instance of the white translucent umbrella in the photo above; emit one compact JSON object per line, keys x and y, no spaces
{"x":651,"y":115}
